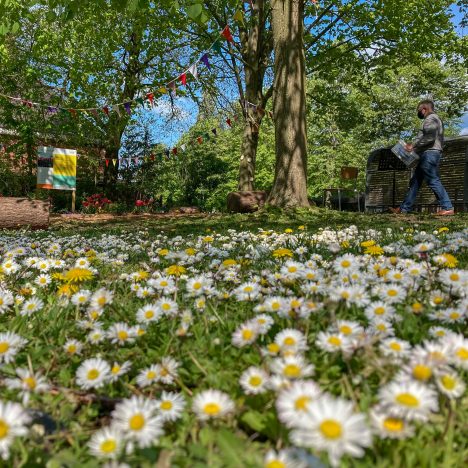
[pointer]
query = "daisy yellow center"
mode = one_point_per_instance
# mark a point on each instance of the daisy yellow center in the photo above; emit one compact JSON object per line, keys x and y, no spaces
{"x":137,"y":422}
{"x":345,"y":263}
{"x":345,"y":295}
{"x":292,"y":370}
{"x":30,"y":382}
{"x":166,"y":306}
{"x":275,"y":305}
{"x":292,"y":269}
{"x":346,"y":330}
{"x":94,"y":315}
{"x":4,"y":429}
{"x":108,"y":446}
{"x":406,"y":399}
{"x":164,"y":372}
{"x":334,"y":340}
{"x":166,"y":405}
{"x":150,"y":374}
{"x":247,"y":334}
{"x":462,"y":353}
{"x":393,"y":424}
{"x":101,"y":301}
{"x":255,"y":381}
{"x":115,"y":369}
{"x":398,"y":276}
{"x":164,"y":283}
{"x":422,"y":372}
{"x":248,"y":289}
{"x":381,"y":327}
{"x":438,"y":300}
{"x":301,"y":403}
{"x":331,"y":429}
{"x":4,"y":347}
{"x":454,"y":315}
{"x":392,"y":292}
{"x":454,"y":277}
{"x":289,"y":341}
{"x":72,"y":348}
{"x":379,"y":311}
{"x":275,"y":464}
{"x":197,"y":285}
{"x":448,"y":382}
{"x":212,"y":409}
{"x":122,"y":335}
{"x":93,"y":374}
{"x":149,"y":314}
{"x":273,"y":348}
{"x":295,"y":304}
{"x":395,"y":346}
{"x":31,"y":306}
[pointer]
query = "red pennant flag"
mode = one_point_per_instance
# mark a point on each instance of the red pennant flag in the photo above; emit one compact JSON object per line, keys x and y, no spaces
{"x":174,"y":151}
{"x":152,"y":157}
{"x":105,"y":109}
{"x":183,"y":78}
{"x":228,"y":121}
{"x":72,"y":112}
{"x":226,"y":33}
{"x":200,"y":140}
{"x":150,"y":97}
{"x":107,"y":162}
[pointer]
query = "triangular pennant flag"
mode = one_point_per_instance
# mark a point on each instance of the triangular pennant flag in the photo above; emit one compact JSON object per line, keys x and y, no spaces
{"x":128,"y":107}
{"x":217,"y":46}
{"x":193,"y":70}
{"x":239,"y":16}
{"x":200,"y":140}
{"x":215,"y":132}
{"x":172,"y":87}
{"x":116,"y":109}
{"x":228,"y":121}
{"x":183,"y":79}
{"x":150,"y":97}
{"x":52,"y":110}
{"x":162,"y":90}
{"x":105,"y":109}
{"x":107,"y":162}
{"x":226,"y":33}
{"x":174,"y":150}
{"x":72,"y":112}
{"x":205,"y":60}
{"x":114,"y":162}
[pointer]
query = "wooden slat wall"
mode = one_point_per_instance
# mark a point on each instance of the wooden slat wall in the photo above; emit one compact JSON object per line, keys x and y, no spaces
{"x":453,"y":173}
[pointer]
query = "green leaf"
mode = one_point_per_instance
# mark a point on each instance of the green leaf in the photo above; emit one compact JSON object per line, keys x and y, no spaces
{"x":254,"y":419}
{"x":132,"y":5}
{"x":194,"y":11}
{"x":15,"y":28}
{"x":230,"y":446}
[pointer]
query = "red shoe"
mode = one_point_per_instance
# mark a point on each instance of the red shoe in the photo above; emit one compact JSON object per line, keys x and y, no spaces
{"x":395,"y":210}
{"x":445,"y":213}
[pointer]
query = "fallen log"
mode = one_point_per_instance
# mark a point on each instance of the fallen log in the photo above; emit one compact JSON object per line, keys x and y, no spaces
{"x":16,"y":213}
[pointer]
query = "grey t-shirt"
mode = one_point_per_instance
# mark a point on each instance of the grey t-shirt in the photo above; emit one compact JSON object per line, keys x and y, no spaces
{"x":431,"y":136}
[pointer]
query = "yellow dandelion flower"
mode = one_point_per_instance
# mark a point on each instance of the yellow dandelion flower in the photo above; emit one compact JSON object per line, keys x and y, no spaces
{"x":374,"y":250}
{"x":78,"y":275}
{"x":67,"y":290}
{"x":190,"y":251}
{"x":175,"y":270}
{"x":163,"y":252}
{"x":448,"y":260}
{"x":368,"y":243}
{"x":301,"y":228}
{"x":280,"y":253}
{"x":345,"y":244}
{"x":443,"y":229}
{"x":208,"y":239}
{"x":229,"y":262}
{"x":288,"y":230}
{"x":141,"y":275}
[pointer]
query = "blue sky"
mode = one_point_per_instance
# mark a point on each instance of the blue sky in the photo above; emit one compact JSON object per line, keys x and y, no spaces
{"x":168,"y":131}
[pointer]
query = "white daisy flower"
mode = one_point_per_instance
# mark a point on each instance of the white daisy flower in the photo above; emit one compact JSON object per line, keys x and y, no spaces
{"x":395,"y":348}
{"x":450,"y":384}
{"x":10,"y":344}
{"x":6,"y":300}
{"x":13,"y":421}
{"x":27,"y":382}
{"x":117,"y":370}
{"x":148,"y":313}
{"x":73,"y":347}
{"x":333,"y":342}
{"x":106,"y":443}
{"x":93,"y":373}
{"x":292,"y":367}
{"x":245,"y":334}
{"x":81,"y":297}
{"x":282,"y":459}
{"x":408,"y":399}
{"x":295,"y":401}
{"x":212,"y":404}
{"x":254,"y":380}
{"x":136,"y":419}
{"x":148,"y":376}
{"x":332,"y":425}
{"x":121,"y":333}
{"x":167,"y":306}
{"x":291,"y":339}
{"x":387,"y":426}
{"x":101,"y":298}
{"x":30,"y":306}
{"x":170,"y":405}
{"x":43,"y":280}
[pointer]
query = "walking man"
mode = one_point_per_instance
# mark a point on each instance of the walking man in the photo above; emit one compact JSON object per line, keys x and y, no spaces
{"x":428,"y":145}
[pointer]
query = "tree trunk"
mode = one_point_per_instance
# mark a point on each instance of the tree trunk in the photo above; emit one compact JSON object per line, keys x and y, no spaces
{"x":289,"y":105}
{"x":17,"y":213}
{"x":248,"y":157}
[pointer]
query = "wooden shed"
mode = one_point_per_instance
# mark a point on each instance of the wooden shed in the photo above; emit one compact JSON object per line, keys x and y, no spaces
{"x":387,"y":179}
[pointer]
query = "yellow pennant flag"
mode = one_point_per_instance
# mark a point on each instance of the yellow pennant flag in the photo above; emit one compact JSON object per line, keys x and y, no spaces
{"x":162,"y":90}
{"x":239,"y":16}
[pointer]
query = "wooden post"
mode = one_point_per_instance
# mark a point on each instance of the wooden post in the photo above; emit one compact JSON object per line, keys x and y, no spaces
{"x":73,"y":200}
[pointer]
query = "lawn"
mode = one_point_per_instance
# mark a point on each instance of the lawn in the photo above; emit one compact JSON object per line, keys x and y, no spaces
{"x":278,"y":339}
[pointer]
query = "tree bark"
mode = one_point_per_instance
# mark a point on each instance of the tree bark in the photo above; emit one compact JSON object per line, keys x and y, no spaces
{"x":289,"y":105}
{"x":248,"y":157}
{"x":16,"y":213}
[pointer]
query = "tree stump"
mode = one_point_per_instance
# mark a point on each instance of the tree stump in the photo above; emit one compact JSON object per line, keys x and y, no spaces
{"x":246,"y":202}
{"x":18,"y":213}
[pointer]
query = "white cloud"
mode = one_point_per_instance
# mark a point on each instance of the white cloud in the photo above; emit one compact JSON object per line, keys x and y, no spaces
{"x":464,"y":131}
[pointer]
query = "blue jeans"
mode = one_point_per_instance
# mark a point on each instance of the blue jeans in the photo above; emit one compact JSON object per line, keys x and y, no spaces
{"x":428,"y":170}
